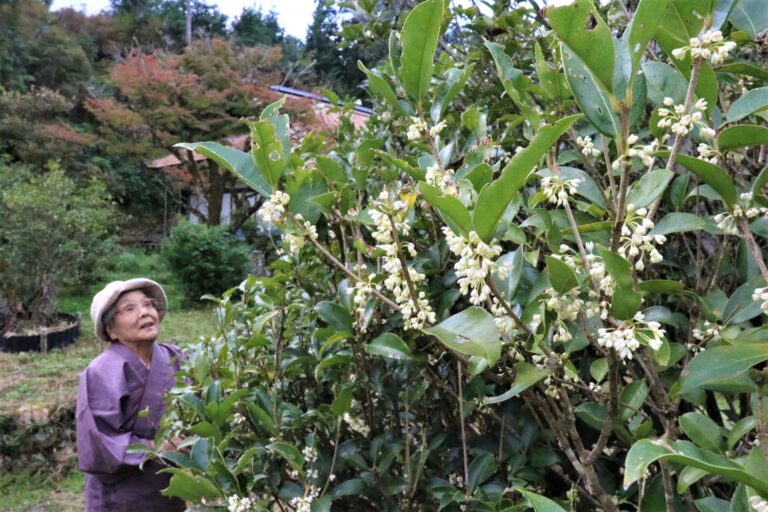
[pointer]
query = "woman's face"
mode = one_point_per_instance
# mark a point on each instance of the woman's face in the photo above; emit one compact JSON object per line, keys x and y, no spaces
{"x":136,"y":319}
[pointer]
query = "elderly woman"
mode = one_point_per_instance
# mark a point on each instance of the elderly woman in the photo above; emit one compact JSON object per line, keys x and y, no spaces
{"x":130,"y":377}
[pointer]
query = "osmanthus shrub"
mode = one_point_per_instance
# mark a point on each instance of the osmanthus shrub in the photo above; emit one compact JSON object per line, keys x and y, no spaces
{"x":535,"y":279}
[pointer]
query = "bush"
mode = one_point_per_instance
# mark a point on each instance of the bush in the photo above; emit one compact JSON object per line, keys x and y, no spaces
{"x":512,"y":288}
{"x":205,"y":259}
{"x":53,"y":234}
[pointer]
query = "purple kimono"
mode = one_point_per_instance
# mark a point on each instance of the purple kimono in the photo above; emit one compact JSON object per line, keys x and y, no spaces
{"x":113,"y":389}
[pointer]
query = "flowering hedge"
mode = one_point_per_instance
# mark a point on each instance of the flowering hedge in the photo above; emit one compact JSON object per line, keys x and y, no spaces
{"x":534,"y":279}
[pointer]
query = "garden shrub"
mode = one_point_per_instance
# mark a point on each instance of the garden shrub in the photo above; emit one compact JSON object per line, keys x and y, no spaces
{"x":205,"y":259}
{"x":53,"y":234}
{"x":534,"y":280}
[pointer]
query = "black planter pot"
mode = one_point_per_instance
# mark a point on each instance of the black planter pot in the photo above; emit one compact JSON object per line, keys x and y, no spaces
{"x":43,"y":343}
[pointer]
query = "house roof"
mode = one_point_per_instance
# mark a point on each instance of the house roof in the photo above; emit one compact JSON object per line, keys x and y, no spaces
{"x":320,"y":117}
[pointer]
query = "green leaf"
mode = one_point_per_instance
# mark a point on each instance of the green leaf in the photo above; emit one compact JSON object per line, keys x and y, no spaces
{"x":331,"y":169}
{"x":661,"y":286}
{"x":664,"y":81}
{"x":739,"y":430}
{"x":561,"y":277}
{"x":593,"y":101}
{"x":450,"y":208}
{"x":508,"y":283}
{"x":755,"y":100}
{"x":626,"y":301}
{"x":419,"y":37}
{"x":760,"y":181}
{"x":335,"y":360}
{"x":747,"y":68}
{"x":454,"y":82}
{"x":261,"y":418}
{"x":643,"y":27}
{"x":481,"y":469}
{"x":750,"y":16}
{"x":381,"y":88}
{"x":540,"y":503}
{"x":188,"y":486}
{"x":496,"y":196}
{"x":335,"y":315}
{"x":581,"y":28}
{"x":471,"y":332}
{"x":321,"y":504}
{"x":389,"y":345}
{"x":352,"y":487}
{"x":741,"y":307}
{"x":553,"y":82}
{"x":526,"y":375}
{"x":632,"y":399}
{"x":742,"y":136}
{"x":268,"y":151}
{"x":712,"y":504}
{"x":599,"y":369}
{"x":237,"y":162}
{"x":702,"y":430}
{"x":646,"y":451}
{"x":711,"y":174}
{"x":718,"y":365}
{"x":290,"y":453}
{"x":650,"y":186}
{"x":678,"y":222}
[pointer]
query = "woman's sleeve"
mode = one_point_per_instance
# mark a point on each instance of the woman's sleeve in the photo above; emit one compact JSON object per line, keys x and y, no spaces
{"x":103,"y":437}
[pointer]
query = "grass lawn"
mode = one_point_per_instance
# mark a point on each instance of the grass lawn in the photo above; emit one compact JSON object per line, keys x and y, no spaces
{"x":33,"y":379}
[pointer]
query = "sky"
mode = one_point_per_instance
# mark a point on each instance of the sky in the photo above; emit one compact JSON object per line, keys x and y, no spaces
{"x":293,"y":15}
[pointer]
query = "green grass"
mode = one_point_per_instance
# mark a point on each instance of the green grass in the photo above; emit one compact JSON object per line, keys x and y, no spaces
{"x":50,"y":380}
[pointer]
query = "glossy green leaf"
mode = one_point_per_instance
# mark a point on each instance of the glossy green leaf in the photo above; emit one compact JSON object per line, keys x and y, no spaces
{"x":482,"y":467}
{"x":661,"y":286}
{"x":599,"y":369}
{"x":626,"y":301}
{"x":290,"y":453}
{"x":540,"y":503}
{"x":741,"y":136}
{"x":712,"y":504}
{"x":747,"y":68}
{"x":188,"y":486}
{"x":702,"y":430}
{"x":760,"y":181}
{"x":335,"y":360}
{"x":554,"y":83}
{"x":261,"y":418}
{"x":650,"y":186}
{"x":471,"y":332}
{"x":389,"y":345}
{"x":381,"y":88}
{"x":710,"y":174}
{"x":335,"y":315}
{"x":237,"y":162}
{"x":741,"y":306}
{"x":664,"y":81}
{"x":593,"y":101}
{"x":513,"y":263}
{"x":505,"y":68}
{"x":720,"y":12}
{"x":632,"y":399}
{"x":321,"y":504}
{"x":642,"y":28}
{"x":455,"y":79}
{"x":716,"y":365}
{"x":419,"y":37}
{"x":496,"y":196}
{"x":580,"y":27}
{"x":268,"y":151}
{"x":750,"y":16}
{"x":526,"y":375}
{"x":689,"y":476}
{"x":450,"y":208}
{"x":678,"y":222}
{"x":755,"y":100}
{"x":352,"y":487}
{"x":561,"y":277}
{"x":646,"y":451}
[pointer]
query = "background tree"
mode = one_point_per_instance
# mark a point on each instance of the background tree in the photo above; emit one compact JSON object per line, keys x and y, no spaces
{"x":207,"y":21}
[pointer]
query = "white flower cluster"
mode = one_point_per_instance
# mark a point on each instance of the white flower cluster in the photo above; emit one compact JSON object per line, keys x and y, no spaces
{"x":474,"y":264}
{"x":566,"y":306}
{"x":388,"y":215}
{"x":360,"y":293}
{"x":598,"y":304}
{"x":304,"y":503}
{"x":304,"y":229}
{"x":710,"y":46}
{"x":761,"y":295}
{"x":636,"y":242}
{"x":626,"y":338}
{"x":356,"y":425}
{"x":237,"y":419}
{"x":418,"y":126}
{"x":643,"y":152}
{"x":441,"y":178}
{"x":728,"y":222}
{"x":681,"y":122}
{"x":708,"y":153}
{"x":239,"y":504}
{"x":587,"y":146}
{"x":274,"y":209}
{"x":758,"y":504}
{"x":708,"y":331}
{"x":557,"y":189}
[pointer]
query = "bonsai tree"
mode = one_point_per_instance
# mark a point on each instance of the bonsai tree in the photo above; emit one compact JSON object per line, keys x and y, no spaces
{"x":53,"y":233}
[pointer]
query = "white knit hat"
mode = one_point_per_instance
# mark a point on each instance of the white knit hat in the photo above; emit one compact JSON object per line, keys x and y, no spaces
{"x":107,"y":297}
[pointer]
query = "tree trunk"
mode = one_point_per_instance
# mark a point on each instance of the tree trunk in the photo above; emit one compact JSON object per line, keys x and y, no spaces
{"x":217,"y":181}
